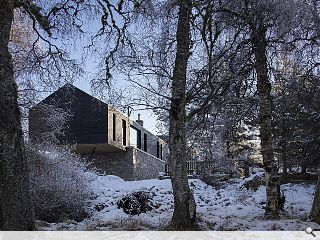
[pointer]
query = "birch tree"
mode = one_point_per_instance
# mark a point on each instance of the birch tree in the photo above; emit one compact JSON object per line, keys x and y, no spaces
{"x":16,"y":209}
{"x":184,"y":214}
{"x":125,"y":55}
{"x":156,"y":65}
{"x":259,"y":46}
{"x":315,"y":210}
{"x":266,"y":24}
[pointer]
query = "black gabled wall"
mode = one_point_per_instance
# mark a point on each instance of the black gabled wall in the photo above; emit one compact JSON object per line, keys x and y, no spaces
{"x":88,"y":123}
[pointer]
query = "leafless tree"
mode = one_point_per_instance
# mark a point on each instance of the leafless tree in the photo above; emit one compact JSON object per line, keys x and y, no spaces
{"x":184,"y":214}
{"x":16,"y":209}
{"x":315,"y":210}
{"x":125,"y":54}
{"x":265,"y":25}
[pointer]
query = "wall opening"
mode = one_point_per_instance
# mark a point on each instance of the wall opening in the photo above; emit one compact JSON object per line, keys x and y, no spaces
{"x":158,"y":149}
{"x":145,"y":142}
{"x":114,"y":126}
{"x":161,"y":151}
{"x":139,"y":139}
{"x":135,"y":137}
{"x":124,"y":132}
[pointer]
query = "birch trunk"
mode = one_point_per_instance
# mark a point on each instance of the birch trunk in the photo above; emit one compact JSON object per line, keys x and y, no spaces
{"x":315,"y":16}
{"x":284,"y":150}
{"x":259,"y":45}
{"x":184,"y":214}
{"x":284,"y":161}
{"x":315,"y":210}
{"x":16,"y":212}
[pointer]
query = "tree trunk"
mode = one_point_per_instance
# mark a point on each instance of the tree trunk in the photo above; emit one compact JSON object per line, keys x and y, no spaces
{"x":284,"y":159}
{"x":315,"y":210}
{"x":184,"y":214}
{"x":315,"y":16}
{"x":16,"y":212}
{"x":304,"y":167}
{"x":259,"y":45}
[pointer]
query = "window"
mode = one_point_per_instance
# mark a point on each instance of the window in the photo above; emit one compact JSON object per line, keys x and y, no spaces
{"x":161,"y":150}
{"x":135,"y":137}
{"x":158,"y":149}
{"x":114,"y":127}
{"x":145,"y":142}
{"x":124,"y":132}
{"x":139,"y":139}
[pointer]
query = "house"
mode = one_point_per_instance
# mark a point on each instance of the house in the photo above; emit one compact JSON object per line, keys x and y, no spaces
{"x":113,"y":142}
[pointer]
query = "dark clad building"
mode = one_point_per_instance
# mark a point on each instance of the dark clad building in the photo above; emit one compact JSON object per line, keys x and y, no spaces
{"x":87,"y":123}
{"x":101,"y":133}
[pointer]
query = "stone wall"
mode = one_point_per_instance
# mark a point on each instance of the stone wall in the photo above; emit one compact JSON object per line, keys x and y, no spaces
{"x":145,"y":165}
{"x":113,"y":163}
{"x":132,"y":164}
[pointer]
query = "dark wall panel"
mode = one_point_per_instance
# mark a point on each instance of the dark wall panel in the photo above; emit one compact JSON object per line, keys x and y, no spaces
{"x":88,"y":123}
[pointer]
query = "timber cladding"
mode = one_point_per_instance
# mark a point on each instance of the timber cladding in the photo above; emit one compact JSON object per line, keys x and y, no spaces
{"x":86,"y":122}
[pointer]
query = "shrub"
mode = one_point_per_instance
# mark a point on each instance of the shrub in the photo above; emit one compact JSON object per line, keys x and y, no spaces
{"x":59,"y":182}
{"x":136,"y":203}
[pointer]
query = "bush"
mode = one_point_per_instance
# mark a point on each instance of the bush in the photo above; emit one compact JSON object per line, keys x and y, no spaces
{"x":59,"y":182}
{"x":136,"y":203}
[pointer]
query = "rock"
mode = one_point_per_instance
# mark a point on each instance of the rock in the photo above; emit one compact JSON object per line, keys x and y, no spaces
{"x":253,"y":183}
{"x":215,"y":180}
{"x":41,"y":224}
{"x":70,"y":222}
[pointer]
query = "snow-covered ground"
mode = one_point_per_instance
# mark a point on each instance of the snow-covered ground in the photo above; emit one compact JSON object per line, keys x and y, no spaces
{"x":231,"y":207}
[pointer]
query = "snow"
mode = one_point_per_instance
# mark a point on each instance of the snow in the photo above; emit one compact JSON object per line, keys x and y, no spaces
{"x":232,"y":207}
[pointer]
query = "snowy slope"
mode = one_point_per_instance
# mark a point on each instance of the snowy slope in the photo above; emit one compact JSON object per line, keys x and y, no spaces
{"x":232,"y":207}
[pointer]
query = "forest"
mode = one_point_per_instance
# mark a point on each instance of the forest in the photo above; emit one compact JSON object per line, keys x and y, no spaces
{"x":234,"y":86}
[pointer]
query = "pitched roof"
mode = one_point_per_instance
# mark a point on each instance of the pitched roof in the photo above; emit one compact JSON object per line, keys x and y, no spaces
{"x":64,"y":90}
